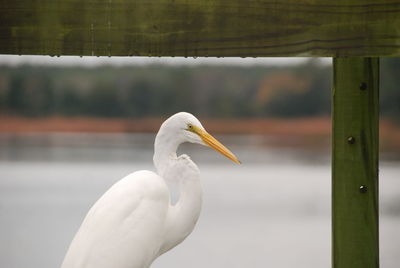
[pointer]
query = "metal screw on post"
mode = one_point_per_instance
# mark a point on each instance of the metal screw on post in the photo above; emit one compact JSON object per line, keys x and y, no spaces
{"x":363,"y":189}
{"x":351,"y":140}
{"x":363,"y":86}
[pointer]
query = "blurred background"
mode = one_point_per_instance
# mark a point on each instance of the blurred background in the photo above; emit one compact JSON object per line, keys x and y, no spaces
{"x":70,"y":127}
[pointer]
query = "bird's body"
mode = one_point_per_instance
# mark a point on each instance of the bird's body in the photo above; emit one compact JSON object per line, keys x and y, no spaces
{"x":122,"y":228}
{"x":134,"y":222}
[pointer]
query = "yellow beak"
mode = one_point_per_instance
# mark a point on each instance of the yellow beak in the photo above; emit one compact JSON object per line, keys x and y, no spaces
{"x":213,"y":143}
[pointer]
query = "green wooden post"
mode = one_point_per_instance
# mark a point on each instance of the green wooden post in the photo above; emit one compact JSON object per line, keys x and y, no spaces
{"x":355,"y":163}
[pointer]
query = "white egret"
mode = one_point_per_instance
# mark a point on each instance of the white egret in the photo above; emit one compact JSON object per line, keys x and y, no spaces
{"x":134,"y":222}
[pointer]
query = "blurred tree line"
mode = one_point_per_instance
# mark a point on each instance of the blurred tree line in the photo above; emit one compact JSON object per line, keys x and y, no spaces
{"x":158,"y":90}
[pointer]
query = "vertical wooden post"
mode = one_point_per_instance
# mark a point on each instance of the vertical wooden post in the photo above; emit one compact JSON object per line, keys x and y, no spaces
{"x":355,"y":163}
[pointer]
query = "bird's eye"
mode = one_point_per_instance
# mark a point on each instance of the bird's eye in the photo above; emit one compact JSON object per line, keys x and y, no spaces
{"x":190,"y":127}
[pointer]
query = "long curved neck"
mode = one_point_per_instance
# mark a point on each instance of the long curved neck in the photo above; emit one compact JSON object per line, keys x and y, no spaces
{"x":165,"y":147}
{"x":183,"y":216}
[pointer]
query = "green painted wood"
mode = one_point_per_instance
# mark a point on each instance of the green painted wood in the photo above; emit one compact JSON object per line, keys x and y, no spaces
{"x":201,"y":27}
{"x":355,"y":163}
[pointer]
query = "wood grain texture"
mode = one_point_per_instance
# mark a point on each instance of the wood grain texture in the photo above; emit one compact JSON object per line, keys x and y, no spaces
{"x":201,"y":27}
{"x":355,"y":163}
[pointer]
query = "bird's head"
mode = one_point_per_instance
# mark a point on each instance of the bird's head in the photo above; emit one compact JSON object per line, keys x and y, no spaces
{"x":189,"y":129}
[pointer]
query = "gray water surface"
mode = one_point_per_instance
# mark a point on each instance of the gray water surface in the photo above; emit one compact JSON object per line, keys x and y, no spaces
{"x":271,"y":211}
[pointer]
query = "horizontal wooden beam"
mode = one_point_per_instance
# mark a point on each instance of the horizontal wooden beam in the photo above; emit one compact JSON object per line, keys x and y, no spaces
{"x":201,"y":27}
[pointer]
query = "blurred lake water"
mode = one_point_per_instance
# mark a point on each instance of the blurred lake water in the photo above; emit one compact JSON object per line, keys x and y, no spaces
{"x":274,"y":210}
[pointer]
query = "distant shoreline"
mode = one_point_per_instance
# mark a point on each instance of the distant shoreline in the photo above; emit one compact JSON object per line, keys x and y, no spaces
{"x":287,"y":127}
{"x":315,"y":128}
